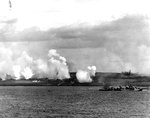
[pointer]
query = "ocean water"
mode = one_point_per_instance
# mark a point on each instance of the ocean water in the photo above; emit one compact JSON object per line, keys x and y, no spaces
{"x":72,"y":102}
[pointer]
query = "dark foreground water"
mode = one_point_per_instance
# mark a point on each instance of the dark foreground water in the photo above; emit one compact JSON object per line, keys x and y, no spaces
{"x":72,"y":102}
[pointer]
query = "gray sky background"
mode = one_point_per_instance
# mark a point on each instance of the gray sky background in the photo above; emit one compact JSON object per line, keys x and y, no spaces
{"x":113,"y":36}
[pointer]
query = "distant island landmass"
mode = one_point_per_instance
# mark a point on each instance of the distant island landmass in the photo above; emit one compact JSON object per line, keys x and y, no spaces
{"x":100,"y":79}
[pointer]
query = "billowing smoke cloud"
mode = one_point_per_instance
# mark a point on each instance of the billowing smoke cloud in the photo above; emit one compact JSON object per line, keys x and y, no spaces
{"x":41,"y":69}
{"x":83,"y":76}
{"x":5,"y":61}
{"x":27,"y":67}
{"x":22,"y":66}
{"x":27,"y":73}
{"x":58,"y":65}
{"x":86,"y":76}
{"x":17,"y":70}
{"x":92,"y":70}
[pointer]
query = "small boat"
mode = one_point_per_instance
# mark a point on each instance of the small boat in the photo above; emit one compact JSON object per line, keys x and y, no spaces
{"x":120,"y":88}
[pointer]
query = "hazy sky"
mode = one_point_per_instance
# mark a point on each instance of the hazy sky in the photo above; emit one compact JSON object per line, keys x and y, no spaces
{"x":113,"y":35}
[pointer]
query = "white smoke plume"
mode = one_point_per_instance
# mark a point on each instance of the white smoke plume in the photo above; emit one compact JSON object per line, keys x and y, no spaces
{"x":86,"y":76}
{"x":41,"y":69}
{"x":27,"y":73}
{"x":83,"y":76}
{"x":58,"y":65}
{"x":15,"y":64}
{"x":5,"y":62}
{"x":17,"y":70}
{"x":92,"y":70}
{"x":23,"y":66}
{"x":55,"y":68}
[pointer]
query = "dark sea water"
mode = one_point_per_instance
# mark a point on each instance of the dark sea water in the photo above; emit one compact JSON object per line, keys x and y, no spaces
{"x":72,"y":102}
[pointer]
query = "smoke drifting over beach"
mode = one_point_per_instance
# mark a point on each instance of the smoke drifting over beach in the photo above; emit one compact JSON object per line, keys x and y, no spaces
{"x":58,"y":65}
{"x":86,"y":76}
{"x":27,"y":67}
{"x":83,"y":76}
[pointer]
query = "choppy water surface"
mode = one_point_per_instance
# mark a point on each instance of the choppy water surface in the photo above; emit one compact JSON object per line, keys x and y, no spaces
{"x":72,"y":102}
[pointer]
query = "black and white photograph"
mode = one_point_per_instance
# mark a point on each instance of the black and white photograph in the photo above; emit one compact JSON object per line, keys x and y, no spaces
{"x":74,"y":59}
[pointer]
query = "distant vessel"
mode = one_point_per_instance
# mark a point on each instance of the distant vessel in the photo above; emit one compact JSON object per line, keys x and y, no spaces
{"x":120,"y":88}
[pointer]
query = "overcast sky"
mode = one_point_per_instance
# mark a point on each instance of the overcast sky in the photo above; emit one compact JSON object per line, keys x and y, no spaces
{"x":113,"y":35}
